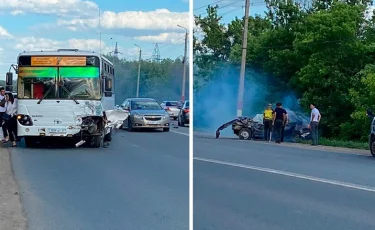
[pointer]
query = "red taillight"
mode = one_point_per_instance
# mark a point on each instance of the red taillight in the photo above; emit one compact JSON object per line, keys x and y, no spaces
{"x":167,"y":109}
{"x":186,"y":110}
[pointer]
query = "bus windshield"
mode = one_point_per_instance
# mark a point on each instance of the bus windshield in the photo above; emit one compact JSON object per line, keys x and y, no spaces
{"x":34,"y":82}
{"x":80,"y":83}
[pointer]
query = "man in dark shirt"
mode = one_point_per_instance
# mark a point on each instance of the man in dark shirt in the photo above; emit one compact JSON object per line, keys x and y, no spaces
{"x":279,"y":118}
{"x":283,"y":127}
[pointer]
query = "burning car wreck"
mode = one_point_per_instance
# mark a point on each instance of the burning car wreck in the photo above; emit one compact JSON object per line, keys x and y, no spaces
{"x":248,"y":128}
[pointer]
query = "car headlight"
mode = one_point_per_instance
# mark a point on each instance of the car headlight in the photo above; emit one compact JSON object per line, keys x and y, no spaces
{"x":138,"y":116}
{"x":166,"y":116}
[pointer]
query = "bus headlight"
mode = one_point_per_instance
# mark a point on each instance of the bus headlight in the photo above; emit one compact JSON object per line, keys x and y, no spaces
{"x":24,"y":120}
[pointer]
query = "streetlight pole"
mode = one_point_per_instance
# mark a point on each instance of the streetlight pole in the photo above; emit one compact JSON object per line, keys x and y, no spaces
{"x":184,"y":62}
{"x":139,"y":68}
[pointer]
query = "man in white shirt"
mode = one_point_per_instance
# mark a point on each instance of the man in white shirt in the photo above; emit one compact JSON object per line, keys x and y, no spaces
{"x":2,"y":108}
{"x":314,"y":123}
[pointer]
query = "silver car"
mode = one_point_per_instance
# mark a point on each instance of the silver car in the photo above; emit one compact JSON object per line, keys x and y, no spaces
{"x":145,"y":113}
{"x":172,"y":107}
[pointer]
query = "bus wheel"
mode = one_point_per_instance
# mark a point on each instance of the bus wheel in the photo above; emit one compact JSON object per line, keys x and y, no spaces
{"x":97,"y":141}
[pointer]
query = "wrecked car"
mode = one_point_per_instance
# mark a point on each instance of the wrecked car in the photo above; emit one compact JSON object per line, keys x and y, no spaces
{"x":252,"y":128}
{"x":244,"y":127}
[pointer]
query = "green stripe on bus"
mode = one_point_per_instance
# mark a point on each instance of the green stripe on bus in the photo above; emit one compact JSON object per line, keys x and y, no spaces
{"x":79,"y":72}
{"x":42,"y":72}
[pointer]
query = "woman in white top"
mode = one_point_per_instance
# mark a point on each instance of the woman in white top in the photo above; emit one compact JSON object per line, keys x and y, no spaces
{"x":11,"y":122}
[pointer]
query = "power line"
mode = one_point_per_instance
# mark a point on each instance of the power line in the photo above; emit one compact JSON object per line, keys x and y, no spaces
{"x":238,"y":7}
{"x":172,"y":42}
{"x":201,"y":7}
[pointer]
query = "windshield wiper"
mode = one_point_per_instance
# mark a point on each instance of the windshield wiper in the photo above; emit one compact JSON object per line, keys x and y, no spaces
{"x":66,"y":90}
{"x":48,"y":91}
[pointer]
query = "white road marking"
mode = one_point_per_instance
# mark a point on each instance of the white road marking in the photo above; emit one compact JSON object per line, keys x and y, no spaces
{"x":289,"y":174}
{"x":137,"y":146}
{"x":186,"y":134}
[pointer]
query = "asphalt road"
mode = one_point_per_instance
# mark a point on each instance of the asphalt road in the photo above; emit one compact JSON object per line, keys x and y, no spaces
{"x":140,"y":182}
{"x":252,"y":185}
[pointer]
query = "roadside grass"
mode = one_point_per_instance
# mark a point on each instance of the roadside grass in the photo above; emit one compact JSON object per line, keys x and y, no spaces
{"x":340,"y":143}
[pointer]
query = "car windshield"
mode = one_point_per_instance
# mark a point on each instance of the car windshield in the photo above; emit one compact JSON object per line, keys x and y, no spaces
{"x":187,"y":104}
{"x":145,"y":105}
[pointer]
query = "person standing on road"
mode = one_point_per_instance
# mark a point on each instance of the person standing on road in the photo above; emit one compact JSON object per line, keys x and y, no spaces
{"x":11,"y":123}
{"x":314,"y":123}
{"x":267,"y":122}
{"x":284,"y":124}
{"x":2,"y":110}
{"x":279,"y":118}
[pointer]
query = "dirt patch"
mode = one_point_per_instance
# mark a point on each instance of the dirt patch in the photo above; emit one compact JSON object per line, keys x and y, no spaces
{"x":11,"y":212}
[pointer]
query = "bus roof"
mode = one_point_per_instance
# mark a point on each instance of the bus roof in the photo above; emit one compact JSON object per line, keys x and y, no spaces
{"x":64,"y":52}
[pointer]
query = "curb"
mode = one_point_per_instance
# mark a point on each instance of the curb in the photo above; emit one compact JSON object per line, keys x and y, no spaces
{"x":11,"y":212}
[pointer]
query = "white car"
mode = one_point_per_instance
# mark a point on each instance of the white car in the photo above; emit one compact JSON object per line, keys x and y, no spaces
{"x":172,"y":107}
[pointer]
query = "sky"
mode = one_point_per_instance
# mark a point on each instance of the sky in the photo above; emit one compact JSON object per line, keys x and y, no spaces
{"x":35,"y":25}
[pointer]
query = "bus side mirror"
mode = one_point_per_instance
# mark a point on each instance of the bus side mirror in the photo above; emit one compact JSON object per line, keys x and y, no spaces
{"x":9,"y":78}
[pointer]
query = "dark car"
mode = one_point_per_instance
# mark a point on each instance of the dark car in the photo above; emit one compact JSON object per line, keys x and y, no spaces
{"x":183,"y":115}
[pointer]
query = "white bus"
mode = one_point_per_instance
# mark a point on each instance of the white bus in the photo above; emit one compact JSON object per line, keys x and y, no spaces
{"x":64,"y":93}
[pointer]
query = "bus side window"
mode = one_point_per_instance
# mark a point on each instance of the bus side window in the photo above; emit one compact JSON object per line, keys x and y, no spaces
{"x":108,"y":87}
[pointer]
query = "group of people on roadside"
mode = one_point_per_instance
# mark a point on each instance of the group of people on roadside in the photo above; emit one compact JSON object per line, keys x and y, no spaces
{"x":276,"y":120}
{"x":8,"y":117}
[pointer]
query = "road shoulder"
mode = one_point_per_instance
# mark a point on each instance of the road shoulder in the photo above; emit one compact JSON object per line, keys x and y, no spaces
{"x":11,"y":213}
{"x":298,"y":145}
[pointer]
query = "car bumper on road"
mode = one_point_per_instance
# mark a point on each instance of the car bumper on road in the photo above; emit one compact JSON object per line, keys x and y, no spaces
{"x":173,"y":115}
{"x":156,"y":124}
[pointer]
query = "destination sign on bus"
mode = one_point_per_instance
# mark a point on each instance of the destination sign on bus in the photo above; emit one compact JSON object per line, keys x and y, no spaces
{"x":58,"y":61}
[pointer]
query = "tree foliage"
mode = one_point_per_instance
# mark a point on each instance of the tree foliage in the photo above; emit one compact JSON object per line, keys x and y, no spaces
{"x":160,"y":80}
{"x":323,"y":53}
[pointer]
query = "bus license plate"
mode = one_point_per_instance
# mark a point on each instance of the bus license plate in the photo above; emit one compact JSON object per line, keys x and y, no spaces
{"x":154,"y":122}
{"x":56,"y":131}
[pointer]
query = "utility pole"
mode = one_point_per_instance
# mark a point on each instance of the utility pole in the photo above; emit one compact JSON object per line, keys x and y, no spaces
{"x":100,"y":35}
{"x":139,"y":68}
{"x":243,"y":61}
{"x":184,"y":62}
